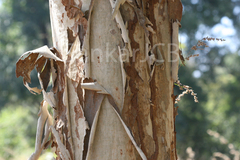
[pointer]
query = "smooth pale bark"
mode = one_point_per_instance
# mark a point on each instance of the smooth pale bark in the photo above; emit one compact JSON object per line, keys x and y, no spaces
{"x":112,"y":79}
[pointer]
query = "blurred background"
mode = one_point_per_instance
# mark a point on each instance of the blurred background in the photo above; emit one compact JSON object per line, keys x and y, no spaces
{"x":205,"y":130}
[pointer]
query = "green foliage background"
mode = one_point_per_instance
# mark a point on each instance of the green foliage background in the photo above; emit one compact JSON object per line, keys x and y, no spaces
{"x":24,"y":25}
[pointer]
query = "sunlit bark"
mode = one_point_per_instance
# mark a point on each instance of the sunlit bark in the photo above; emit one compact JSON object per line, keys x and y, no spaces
{"x":112,"y":67}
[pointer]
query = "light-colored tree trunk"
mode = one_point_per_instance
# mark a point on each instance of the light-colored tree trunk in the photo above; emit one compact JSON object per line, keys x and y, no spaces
{"x":112,"y":72}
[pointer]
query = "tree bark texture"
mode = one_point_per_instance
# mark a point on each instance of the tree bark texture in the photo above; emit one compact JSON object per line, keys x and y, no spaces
{"x":112,"y":68}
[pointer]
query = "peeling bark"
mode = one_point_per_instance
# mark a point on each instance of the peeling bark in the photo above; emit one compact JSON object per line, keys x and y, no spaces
{"x":112,"y":70}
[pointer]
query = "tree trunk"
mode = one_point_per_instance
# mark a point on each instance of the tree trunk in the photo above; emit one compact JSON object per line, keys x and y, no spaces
{"x":113,"y":69}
